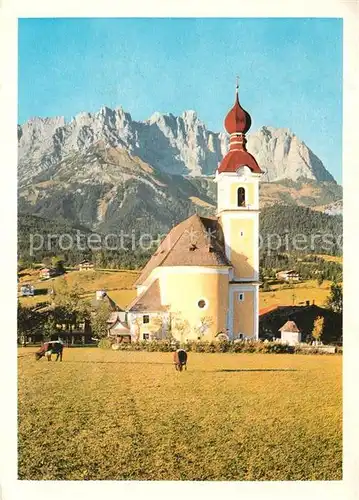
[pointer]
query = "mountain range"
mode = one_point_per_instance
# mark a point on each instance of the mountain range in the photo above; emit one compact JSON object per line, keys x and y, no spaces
{"x":105,"y":170}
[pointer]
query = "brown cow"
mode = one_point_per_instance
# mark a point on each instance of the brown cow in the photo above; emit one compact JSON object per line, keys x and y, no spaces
{"x":180,"y":359}
{"x":48,"y":349}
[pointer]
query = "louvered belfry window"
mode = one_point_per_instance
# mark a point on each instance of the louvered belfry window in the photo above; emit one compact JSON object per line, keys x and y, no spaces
{"x":241,"y":197}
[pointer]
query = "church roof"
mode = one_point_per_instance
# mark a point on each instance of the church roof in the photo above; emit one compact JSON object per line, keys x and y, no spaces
{"x":197,"y":241}
{"x":239,"y":157}
{"x":148,"y":301}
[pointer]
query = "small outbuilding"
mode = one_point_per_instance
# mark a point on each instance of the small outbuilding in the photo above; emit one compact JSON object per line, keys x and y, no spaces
{"x":290,"y":333}
{"x":27,"y":290}
{"x":86,"y":265}
{"x":48,"y":272}
{"x":119,"y":331}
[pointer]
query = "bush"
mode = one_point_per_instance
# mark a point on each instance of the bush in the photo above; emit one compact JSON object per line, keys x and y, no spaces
{"x":223,"y":346}
{"x":105,"y":343}
{"x":266,"y":287}
{"x":210,"y":347}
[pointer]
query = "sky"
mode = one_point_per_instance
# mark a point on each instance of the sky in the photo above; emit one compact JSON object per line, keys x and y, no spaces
{"x":290,"y":71}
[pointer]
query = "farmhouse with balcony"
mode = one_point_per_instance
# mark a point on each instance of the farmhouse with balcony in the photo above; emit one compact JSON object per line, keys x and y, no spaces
{"x":48,"y":272}
{"x":290,"y":275}
{"x":86,"y":265}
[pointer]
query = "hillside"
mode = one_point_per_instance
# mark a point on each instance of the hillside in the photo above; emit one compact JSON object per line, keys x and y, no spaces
{"x":39,"y":237}
{"x":322,"y":196}
{"x":125,"y":193}
{"x":122,"y":193}
{"x":279,"y":224}
{"x":298,"y":229}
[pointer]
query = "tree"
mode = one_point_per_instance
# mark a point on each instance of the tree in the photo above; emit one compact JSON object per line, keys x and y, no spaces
{"x":335,"y":299}
{"x":201,"y":329}
{"x":318,"y":328}
{"x":179,"y":326}
{"x":67,"y":297}
{"x":320,"y":279}
{"x":266,"y":286}
{"x":68,"y":305}
{"x":46,"y":261}
{"x":28,"y":322}
{"x":261,"y":274}
{"x":58,"y":263}
{"x":49,"y":326}
{"x":99,"y":319}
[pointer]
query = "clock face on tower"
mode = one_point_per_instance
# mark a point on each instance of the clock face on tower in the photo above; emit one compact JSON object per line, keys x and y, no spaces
{"x":243,"y":172}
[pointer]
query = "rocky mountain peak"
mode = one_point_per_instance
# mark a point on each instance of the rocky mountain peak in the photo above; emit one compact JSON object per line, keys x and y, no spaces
{"x":283,"y":155}
{"x":189,"y":115}
{"x":177,"y":145}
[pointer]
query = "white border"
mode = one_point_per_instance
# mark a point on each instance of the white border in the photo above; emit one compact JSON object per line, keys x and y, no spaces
{"x":13,"y":489}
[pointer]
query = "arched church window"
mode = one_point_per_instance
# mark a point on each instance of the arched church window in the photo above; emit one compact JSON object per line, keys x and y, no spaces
{"x":241,"y":197}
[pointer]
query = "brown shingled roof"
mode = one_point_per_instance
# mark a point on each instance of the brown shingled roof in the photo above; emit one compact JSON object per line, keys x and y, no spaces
{"x":189,"y":244}
{"x":289,"y":326}
{"x":149,"y":300}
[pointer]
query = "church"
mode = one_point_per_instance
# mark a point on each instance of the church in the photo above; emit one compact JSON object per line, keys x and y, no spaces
{"x":203,"y":279}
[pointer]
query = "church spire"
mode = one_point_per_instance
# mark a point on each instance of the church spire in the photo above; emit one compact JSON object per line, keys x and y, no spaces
{"x":238,"y":120}
{"x":237,"y":123}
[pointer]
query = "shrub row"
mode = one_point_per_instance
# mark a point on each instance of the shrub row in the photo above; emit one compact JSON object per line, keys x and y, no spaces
{"x":214,"y":347}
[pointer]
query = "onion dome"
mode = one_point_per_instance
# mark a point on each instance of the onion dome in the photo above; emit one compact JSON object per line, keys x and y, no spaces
{"x":237,"y":119}
{"x":237,"y":124}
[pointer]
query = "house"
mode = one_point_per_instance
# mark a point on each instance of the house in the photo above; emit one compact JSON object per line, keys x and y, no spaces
{"x":119,"y":331}
{"x":204,"y":277}
{"x":117,"y":320}
{"x":48,"y":272}
{"x":27,"y":290}
{"x":86,"y":265}
{"x":289,"y":275}
{"x":290,"y":334}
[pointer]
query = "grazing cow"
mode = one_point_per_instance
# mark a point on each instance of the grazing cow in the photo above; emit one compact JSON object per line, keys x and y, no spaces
{"x":49,"y":348}
{"x":180,"y":359}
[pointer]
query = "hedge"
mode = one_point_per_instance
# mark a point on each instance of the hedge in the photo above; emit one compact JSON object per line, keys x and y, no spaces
{"x":232,"y":346}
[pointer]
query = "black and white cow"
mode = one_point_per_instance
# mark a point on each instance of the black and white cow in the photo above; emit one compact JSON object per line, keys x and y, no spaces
{"x":180,"y":359}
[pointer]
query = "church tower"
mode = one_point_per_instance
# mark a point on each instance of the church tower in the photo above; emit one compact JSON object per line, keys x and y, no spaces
{"x":238,"y":211}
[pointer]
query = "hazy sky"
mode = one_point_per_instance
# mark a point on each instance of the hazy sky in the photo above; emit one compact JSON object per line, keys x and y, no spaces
{"x":290,"y":71}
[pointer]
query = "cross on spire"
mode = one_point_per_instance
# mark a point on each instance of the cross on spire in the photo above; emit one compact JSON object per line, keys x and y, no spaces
{"x":237,"y":84}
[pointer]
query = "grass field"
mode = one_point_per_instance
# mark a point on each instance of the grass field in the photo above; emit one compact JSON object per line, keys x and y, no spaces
{"x":302,"y":291}
{"x":129,"y":415}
